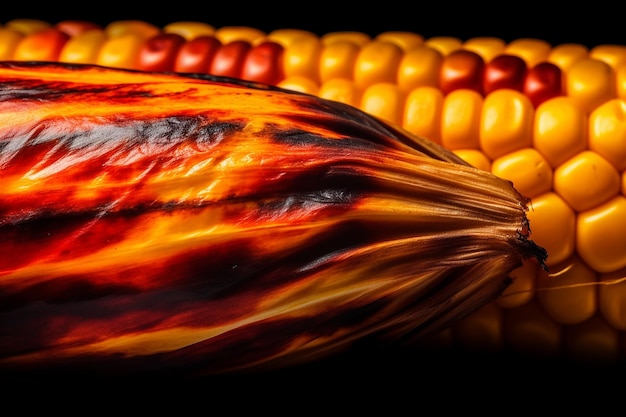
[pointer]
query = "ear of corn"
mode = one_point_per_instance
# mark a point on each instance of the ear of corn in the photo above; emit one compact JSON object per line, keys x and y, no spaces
{"x":539,"y":115}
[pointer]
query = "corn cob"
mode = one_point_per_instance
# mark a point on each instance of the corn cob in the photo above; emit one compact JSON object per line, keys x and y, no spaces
{"x":568,"y":103}
{"x":181,"y":219}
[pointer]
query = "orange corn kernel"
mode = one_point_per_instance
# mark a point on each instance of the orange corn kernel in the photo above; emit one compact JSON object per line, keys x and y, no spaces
{"x":460,"y":119}
{"x":612,"y":298}
{"x":506,"y":122}
{"x":553,"y":224}
{"x":27,"y":26}
{"x":586,"y":180}
{"x":377,"y":62}
{"x":301,"y":58}
{"x":84,"y":47}
{"x":559,"y":130}
{"x":300,"y":83}
{"x":444,"y":44}
{"x":405,"y":40}
{"x":601,"y":235}
{"x":358,"y":38}
{"x":422,"y":113}
{"x":487,"y":47}
{"x":343,"y":90}
{"x":482,"y":330}
{"x":197,"y":55}
{"x":592,"y":342}
{"x":461,"y":69}
{"x":384,"y":100}
{"x":521,"y":290}
{"x":530,"y":173}
{"x":286,"y":37}
{"x":138,"y":28}
{"x":121,"y":51}
{"x":590,"y":82}
{"x":533,"y":51}
{"x":607,"y":132}
{"x":565,"y":55}
{"x":9,"y":39}
{"x":475,"y":158}
{"x":228,"y":34}
{"x":337,"y":60}
{"x":614,"y":55}
{"x":419,"y":67}
{"x":529,"y":331}
{"x":190,"y":29}
{"x":574,"y":304}
{"x":43,"y":45}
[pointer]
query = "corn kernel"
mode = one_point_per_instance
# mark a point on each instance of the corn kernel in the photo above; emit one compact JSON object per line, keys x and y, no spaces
{"x":44,"y":45}
{"x":419,"y":67}
{"x":475,"y":158}
{"x":286,"y":37}
{"x":138,"y":28}
{"x":384,"y":100}
{"x":228,"y":34}
{"x":533,"y":51}
{"x":301,"y":58}
{"x":84,"y":48}
{"x":300,"y":83}
{"x":601,"y":235}
{"x":444,"y":44}
{"x":565,"y":55}
{"x":358,"y":38}
{"x":337,"y":60}
{"x":341,"y":89}
{"x":121,"y":51}
{"x":592,"y":342}
{"x":405,"y":40}
{"x":460,"y":119}
{"x":529,"y":331}
{"x":607,"y":132}
{"x":571,"y":305}
{"x":190,"y":29}
{"x":586,"y":181}
{"x":590,"y":82}
{"x":461,"y":69}
{"x":559,"y":130}
{"x":27,"y":26}
{"x":482,"y":330}
{"x":487,"y":47}
{"x":614,"y":55}
{"x":612,"y":298}
{"x":377,"y":62}
{"x":553,"y":225}
{"x":521,"y":290}
{"x":530,"y":173}
{"x":422,"y":113}
{"x":506,"y":123}
{"x":9,"y":39}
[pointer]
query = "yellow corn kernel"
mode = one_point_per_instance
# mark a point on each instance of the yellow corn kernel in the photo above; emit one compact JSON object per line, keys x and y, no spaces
{"x":531,"y":50}
{"x":560,"y":129}
{"x":190,"y":29}
{"x":565,"y":55}
{"x":612,"y":298}
{"x":529,"y":331}
{"x":460,"y":119}
{"x":377,"y":62}
{"x":121,"y":51}
{"x":343,"y":90}
{"x":138,"y":28}
{"x":9,"y":39}
{"x":84,"y":48}
{"x":301,"y":58}
{"x":405,"y":40}
{"x":300,"y":83}
{"x":590,"y":82}
{"x":384,"y":100}
{"x":422,"y":113}
{"x":521,"y":291}
{"x":614,"y":55}
{"x":419,"y":67}
{"x":286,"y":37}
{"x":574,"y":304}
{"x":475,"y":158}
{"x":444,"y":44}
{"x":553,"y":224}
{"x":482,"y":330}
{"x":228,"y":34}
{"x":601,"y":235}
{"x":592,"y":342}
{"x":607,"y":132}
{"x":358,"y":38}
{"x":27,"y":26}
{"x":586,"y":180}
{"x":530,"y":173}
{"x":487,"y":47}
{"x":337,"y":60}
{"x":506,"y":122}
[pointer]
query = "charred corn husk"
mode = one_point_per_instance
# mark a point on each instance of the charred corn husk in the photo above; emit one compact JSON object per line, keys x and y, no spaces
{"x":198,"y":224}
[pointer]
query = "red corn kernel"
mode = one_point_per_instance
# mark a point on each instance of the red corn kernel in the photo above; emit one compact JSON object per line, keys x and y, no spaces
{"x":543,"y":81}
{"x":263,"y":63}
{"x":159,"y":52}
{"x":229,"y":58}
{"x":504,"y":71}
{"x":197,"y":54}
{"x":462,"y":69}
{"x":76,"y":27}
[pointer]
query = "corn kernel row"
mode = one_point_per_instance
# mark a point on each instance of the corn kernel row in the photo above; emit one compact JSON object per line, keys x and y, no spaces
{"x":550,"y":119}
